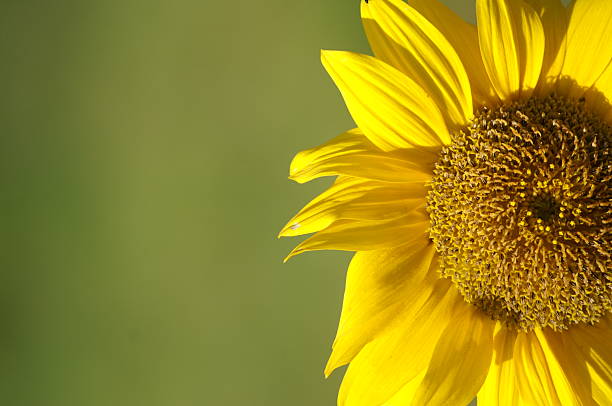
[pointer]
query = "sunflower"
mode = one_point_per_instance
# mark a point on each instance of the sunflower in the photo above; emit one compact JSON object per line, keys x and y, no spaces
{"x":474,"y":192}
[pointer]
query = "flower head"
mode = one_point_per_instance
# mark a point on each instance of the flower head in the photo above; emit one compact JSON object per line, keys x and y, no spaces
{"x":475,"y":194}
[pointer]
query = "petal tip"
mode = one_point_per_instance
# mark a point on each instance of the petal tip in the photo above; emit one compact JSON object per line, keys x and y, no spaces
{"x":330,"y":367}
{"x":296,"y":251}
{"x":288,"y":228}
{"x":325,"y":53}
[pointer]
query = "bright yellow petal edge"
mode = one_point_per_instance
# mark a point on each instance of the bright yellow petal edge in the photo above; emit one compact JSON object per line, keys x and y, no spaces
{"x":408,"y":336}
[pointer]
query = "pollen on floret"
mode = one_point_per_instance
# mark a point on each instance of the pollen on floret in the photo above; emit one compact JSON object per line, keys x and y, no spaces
{"x":521,"y":214}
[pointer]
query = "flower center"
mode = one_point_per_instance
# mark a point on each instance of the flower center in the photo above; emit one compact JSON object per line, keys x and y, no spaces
{"x":520,"y":213}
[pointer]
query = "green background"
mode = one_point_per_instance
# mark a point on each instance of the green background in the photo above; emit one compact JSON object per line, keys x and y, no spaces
{"x":144,"y":161}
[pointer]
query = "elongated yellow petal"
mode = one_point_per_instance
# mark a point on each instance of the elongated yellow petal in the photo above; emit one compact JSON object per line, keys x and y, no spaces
{"x":460,"y":361}
{"x":593,"y":344}
{"x":567,"y":368}
{"x":555,"y":18}
{"x":353,"y":154}
{"x":599,"y":96}
{"x":367,"y":235}
{"x":500,"y":388}
{"x":512,"y":42}
{"x":405,"y":395}
{"x":464,"y":39}
{"x":403,"y":38}
{"x":533,"y":375}
{"x":392,"y":110}
{"x":381,"y":286}
{"x":589,"y":49}
{"x":395,"y":358}
{"x":604,"y":84}
{"x":358,"y":199}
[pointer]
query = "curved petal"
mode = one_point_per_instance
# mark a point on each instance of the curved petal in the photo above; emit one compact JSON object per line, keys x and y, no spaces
{"x":400,"y":354}
{"x":403,"y":38}
{"x":405,"y":395}
{"x":460,"y":361}
{"x":589,"y":49}
{"x":555,"y":18}
{"x":511,"y":40}
{"x":391,"y":109}
{"x":533,"y":375}
{"x":500,"y":388}
{"x":464,"y":39}
{"x":567,"y":368}
{"x":352,"y":154}
{"x":599,"y":97}
{"x":355,"y":198}
{"x":381,"y":286}
{"x":604,"y":84}
{"x":592,"y":343}
{"x":367,"y":235}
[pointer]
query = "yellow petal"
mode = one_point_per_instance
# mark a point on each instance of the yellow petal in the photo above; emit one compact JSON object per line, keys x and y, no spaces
{"x":396,"y":357}
{"x":353,"y":154}
{"x":593,"y":345}
{"x":589,"y":48}
{"x":604,"y":84}
{"x":567,"y":368}
{"x":403,"y":38}
{"x":500,"y":387}
{"x":533,"y":375}
{"x":464,"y":39}
{"x":599,"y":97}
{"x":391,"y":109}
{"x":555,"y":18}
{"x":460,"y":361}
{"x":405,"y":395}
{"x":355,"y":198}
{"x":381,"y":286}
{"x":512,"y":42}
{"x":367,"y":235}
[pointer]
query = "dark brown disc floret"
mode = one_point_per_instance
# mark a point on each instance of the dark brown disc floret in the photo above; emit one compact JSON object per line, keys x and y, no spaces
{"x":521,"y":213}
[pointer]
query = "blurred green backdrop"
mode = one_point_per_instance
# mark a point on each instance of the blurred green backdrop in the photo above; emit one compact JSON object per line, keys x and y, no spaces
{"x":145,"y":152}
